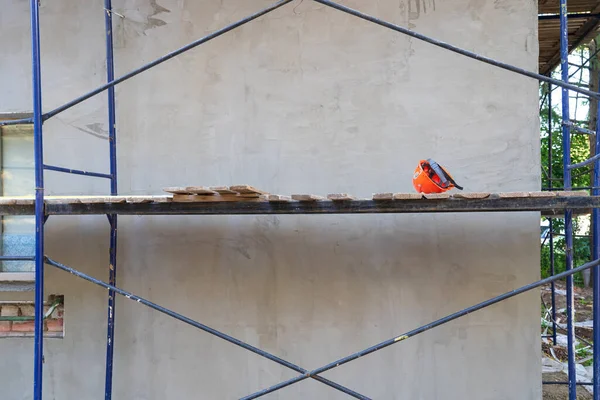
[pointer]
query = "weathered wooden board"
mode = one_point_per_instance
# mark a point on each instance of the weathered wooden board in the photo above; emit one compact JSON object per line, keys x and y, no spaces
{"x":247,"y":195}
{"x":199,"y":190}
{"x":262,"y":206}
{"x":383,"y":196}
{"x":139,"y":199}
{"x":176,"y":190}
{"x":509,"y":195}
{"x":573,"y":193}
{"x":277,"y":198}
{"x":307,"y":197}
{"x":407,"y":196}
{"x":98,"y":199}
{"x":246,"y":189}
{"x":213,"y":190}
{"x":436,"y":196}
{"x":542,"y":194}
{"x":105,"y":199}
{"x":7,"y":201}
{"x":340,"y":197}
{"x":161,"y":199}
{"x":231,"y":196}
{"x":472,"y":195}
{"x":195,"y":198}
{"x":512,"y":195}
{"x":222,"y":190}
{"x":24,"y":201}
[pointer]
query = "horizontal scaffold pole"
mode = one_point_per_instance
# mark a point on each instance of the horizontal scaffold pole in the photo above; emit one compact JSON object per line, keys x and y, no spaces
{"x":203,"y":327}
{"x":579,"y":15}
{"x":76,"y":171}
{"x":458,"y":50}
{"x":422,"y":329}
{"x":22,"y":121}
{"x":167,"y":57}
{"x":584,"y":163}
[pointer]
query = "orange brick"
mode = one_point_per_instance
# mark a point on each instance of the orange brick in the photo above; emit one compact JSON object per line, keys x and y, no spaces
{"x":5,"y":326}
{"x":9,"y":311}
{"x":55,"y":325}
{"x":27,"y":310}
{"x":27,"y":326}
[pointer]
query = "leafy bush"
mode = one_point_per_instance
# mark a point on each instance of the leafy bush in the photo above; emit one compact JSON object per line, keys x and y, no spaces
{"x":581,"y":255}
{"x":580,"y":151}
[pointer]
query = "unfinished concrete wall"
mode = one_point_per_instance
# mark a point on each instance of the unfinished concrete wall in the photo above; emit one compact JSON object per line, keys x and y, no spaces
{"x":303,"y":100}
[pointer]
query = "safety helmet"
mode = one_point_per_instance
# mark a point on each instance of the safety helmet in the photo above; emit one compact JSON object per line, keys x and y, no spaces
{"x":430,"y":177}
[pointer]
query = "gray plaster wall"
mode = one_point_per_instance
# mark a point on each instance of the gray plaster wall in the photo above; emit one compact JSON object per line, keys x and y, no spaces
{"x":305,"y":99}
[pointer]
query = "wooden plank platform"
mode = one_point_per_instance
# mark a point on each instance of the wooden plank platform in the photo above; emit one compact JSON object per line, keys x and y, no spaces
{"x":553,"y":203}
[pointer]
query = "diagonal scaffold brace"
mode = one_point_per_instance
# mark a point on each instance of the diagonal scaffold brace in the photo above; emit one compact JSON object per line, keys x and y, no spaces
{"x":203,"y":327}
{"x":458,"y":50}
{"x":421,"y":329}
{"x":164,"y":58}
{"x":334,"y":5}
{"x":150,"y":65}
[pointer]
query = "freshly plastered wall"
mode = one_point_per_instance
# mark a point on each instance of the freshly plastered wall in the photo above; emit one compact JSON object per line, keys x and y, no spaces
{"x":303,"y":100}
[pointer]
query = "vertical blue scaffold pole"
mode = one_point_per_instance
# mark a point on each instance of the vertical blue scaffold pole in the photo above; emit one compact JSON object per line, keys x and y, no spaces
{"x":112,"y":140}
{"x":38,"y":358}
{"x":566,"y":147}
{"x":551,"y":225}
{"x":595,"y":256}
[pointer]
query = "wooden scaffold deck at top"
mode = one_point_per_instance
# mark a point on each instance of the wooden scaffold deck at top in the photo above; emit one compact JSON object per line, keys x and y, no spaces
{"x":245,"y":199}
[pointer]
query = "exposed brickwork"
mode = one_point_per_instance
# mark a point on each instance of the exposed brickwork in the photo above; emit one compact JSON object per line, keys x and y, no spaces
{"x":28,"y":326}
{"x":5,"y":326}
{"x":53,"y":325}
{"x":27,"y":310}
{"x":9,"y":310}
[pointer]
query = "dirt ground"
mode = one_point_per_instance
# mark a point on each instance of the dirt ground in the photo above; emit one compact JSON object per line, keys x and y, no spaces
{"x":561,"y":392}
{"x":583,"y":302}
{"x":583,"y":312}
{"x":583,"y":307}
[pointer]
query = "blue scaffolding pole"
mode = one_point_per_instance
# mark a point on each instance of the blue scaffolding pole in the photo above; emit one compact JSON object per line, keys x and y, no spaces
{"x":596,"y":255}
{"x":40,"y":217}
{"x":38,"y":149}
{"x":566,"y":148}
{"x":551,"y":220}
{"x":112,"y":218}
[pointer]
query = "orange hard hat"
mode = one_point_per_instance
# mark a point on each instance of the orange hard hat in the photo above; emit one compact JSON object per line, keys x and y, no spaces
{"x":430,"y":177}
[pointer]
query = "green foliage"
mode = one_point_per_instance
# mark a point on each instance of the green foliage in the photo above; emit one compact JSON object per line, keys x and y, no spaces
{"x":584,"y":302}
{"x":550,"y":127}
{"x":584,"y":351}
{"x":581,"y":256}
{"x":580,"y":151}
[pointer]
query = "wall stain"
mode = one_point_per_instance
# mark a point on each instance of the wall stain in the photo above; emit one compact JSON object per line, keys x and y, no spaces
{"x":156,"y":9}
{"x":418,"y":7}
{"x":506,"y":5}
{"x":136,"y":18}
{"x":95,"y":129}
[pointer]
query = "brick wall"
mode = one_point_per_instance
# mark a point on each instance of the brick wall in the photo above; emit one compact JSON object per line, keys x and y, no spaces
{"x":53,"y":325}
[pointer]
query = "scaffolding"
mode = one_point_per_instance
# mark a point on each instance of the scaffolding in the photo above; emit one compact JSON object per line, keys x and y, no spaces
{"x":42,"y":210}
